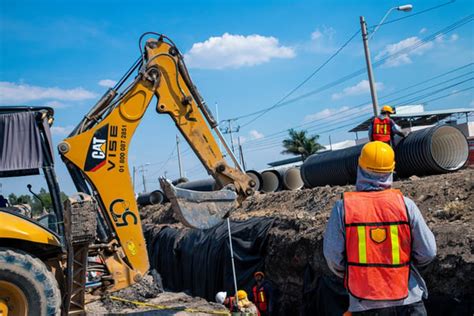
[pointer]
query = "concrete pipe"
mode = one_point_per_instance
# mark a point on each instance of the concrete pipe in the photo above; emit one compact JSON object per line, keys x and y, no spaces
{"x":434,"y":150}
{"x":257,"y":177}
{"x":150,"y":198}
{"x":271,"y":181}
{"x":199,"y":185}
{"x":292,"y":178}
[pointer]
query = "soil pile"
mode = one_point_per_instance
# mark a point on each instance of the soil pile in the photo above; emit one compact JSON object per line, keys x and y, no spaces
{"x":295,"y":240}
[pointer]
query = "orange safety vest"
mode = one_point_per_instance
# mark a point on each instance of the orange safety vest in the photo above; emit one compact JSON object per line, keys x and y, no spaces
{"x":260,"y":298}
{"x":378,"y":245}
{"x":381,"y":129}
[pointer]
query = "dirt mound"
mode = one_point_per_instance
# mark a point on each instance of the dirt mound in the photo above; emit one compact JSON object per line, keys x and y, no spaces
{"x":295,"y":240}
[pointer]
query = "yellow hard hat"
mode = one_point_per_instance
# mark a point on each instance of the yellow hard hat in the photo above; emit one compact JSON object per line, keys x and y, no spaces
{"x":377,"y":157}
{"x":241,"y":294}
{"x":387,"y":109}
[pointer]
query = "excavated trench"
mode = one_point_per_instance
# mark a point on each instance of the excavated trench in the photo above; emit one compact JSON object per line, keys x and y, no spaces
{"x":292,"y":253}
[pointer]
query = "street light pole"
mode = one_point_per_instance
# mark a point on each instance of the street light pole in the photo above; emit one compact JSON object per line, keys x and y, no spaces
{"x":365,"y":39}
{"x":373,"y":91}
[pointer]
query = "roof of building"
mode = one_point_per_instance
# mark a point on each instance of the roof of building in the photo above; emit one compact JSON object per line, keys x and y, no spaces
{"x":416,"y":119}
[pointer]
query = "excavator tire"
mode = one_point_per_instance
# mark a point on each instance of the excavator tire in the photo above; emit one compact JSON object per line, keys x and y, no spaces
{"x":27,"y":287}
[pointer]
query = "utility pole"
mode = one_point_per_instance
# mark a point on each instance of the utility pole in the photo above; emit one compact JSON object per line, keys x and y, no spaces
{"x":373,"y":91}
{"x":133,"y":177}
{"x":142,"y":169}
{"x":242,"y":161}
{"x":330,"y":142}
{"x":229,"y":130}
{"x":179,"y":158}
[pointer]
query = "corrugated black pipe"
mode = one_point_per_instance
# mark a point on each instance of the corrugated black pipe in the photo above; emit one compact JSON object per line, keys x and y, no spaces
{"x":433,"y":150}
{"x":150,"y":198}
{"x":199,"y":185}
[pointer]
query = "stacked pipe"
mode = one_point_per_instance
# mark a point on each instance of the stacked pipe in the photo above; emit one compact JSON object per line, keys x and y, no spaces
{"x":150,"y":198}
{"x":270,"y":180}
{"x":281,"y":178}
{"x":434,"y":150}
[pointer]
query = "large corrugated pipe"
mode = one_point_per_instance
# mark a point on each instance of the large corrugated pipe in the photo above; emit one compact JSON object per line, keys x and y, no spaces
{"x":337,"y":167}
{"x":257,"y":177}
{"x":199,"y":185}
{"x":433,"y":150}
{"x":150,"y":198}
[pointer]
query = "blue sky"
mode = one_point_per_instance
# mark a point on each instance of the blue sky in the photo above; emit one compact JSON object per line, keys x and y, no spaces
{"x":242,"y":55}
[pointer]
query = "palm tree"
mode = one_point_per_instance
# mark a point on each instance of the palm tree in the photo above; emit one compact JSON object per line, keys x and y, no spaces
{"x":299,"y":143}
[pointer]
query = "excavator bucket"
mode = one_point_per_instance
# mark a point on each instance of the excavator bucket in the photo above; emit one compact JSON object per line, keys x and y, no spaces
{"x":200,"y":210}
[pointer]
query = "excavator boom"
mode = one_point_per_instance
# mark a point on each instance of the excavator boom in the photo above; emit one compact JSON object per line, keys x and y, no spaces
{"x":96,"y":155}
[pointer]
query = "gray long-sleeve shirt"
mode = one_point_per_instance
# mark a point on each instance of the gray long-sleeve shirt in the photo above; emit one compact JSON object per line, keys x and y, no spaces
{"x":423,"y":244}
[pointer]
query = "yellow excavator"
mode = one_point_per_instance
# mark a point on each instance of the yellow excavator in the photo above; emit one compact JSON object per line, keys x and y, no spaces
{"x":93,"y":243}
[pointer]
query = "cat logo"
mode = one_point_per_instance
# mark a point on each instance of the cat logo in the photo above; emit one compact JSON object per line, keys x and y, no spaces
{"x":97,"y":153}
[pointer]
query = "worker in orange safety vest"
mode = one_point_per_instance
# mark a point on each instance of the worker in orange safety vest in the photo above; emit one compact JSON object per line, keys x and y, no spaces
{"x":382,"y":128}
{"x":376,"y":238}
{"x":262,"y":294}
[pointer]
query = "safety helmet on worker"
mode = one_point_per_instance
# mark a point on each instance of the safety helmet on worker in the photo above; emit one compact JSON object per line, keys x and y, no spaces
{"x":220,"y":297}
{"x":387,"y":109}
{"x":241,"y":294}
{"x":377,"y":157}
{"x":259,"y":273}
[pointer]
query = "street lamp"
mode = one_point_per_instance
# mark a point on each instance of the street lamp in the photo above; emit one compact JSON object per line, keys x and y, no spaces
{"x":365,"y":39}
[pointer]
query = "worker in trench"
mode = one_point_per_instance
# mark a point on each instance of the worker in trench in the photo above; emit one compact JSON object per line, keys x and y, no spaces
{"x":262,"y":294}
{"x":376,"y":238}
{"x":383,"y":128}
{"x":242,"y":306}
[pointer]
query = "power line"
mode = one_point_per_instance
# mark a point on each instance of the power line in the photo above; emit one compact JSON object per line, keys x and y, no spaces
{"x":338,"y":120}
{"x":264,"y":111}
{"x":414,"y":14}
{"x":378,"y":63}
{"x":349,"y":109}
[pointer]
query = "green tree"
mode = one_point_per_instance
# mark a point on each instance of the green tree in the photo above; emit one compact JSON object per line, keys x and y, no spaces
{"x":300,"y":143}
{"x":36,"y":206}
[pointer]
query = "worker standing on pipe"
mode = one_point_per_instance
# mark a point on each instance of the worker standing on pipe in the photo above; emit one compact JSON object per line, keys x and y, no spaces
{"x":375,"y":238}
{"x":383,"y":128}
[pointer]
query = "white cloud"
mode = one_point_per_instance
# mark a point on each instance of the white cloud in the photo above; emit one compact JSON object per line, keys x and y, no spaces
{"x":61,"y":130}
{"x":107,"y":83}
{"x":472,"y":103}
{"x":254,"y":134}
{"x":234,"y":51}
{"x":423,"y":30}
{"x":55,"y":104}
{"x":23,"y":93}
{"x":323,"y":114}
{"x":362,"y":87}
{"x":322,"y":40}
{"x":454,"y":37}
{"x":403,"y":58}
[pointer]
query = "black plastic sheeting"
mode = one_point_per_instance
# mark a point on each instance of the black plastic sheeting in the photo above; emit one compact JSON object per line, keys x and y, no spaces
{"x":198,"y":261}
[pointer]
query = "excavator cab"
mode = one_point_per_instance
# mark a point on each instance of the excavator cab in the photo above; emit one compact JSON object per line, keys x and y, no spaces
{"x":31,"y":247}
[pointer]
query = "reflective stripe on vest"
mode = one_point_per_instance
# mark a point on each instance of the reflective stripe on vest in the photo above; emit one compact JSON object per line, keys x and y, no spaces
{"x":381,"y":129}
{"x":378,"y":245}
{"x":259,"y":296}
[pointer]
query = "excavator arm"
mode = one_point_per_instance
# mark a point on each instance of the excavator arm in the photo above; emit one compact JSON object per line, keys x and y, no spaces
{"x":96,"y":155}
